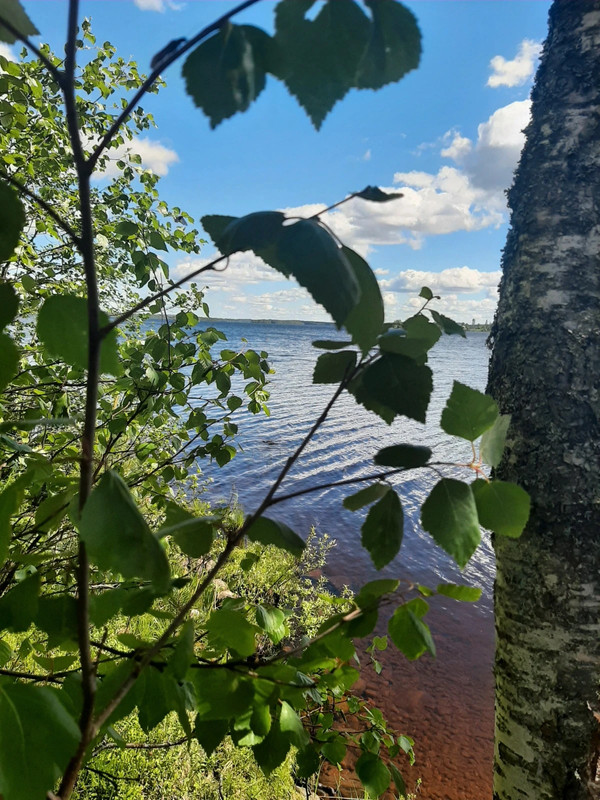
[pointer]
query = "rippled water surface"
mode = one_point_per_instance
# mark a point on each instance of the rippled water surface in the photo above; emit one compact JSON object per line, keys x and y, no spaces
{"x":343,"y":448}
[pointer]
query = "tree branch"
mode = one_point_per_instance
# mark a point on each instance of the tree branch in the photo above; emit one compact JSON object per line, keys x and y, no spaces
{"x":163,"y":64}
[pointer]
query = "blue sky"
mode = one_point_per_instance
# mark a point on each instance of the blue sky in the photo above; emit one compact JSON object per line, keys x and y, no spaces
{"x":448,"y":136}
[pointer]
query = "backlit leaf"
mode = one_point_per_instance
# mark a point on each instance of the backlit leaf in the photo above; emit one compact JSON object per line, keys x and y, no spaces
{"x":273,"y":622}
{"x":210,"y":734}
{"x":468,"y":413}
{"x":232,"y":630}
{"x":304,"y":250}
{"x":375,"y":195}
{"x":12,"y":11}
{"x":449,"y":514}
{"x":62,"y":326}
{"x":502,"y":507}
{"x":273,"y":749}
{"x":365,"y":321}
{"x":493,"y":441}
{"x":408,"y":632}
{"x":468,"y":594}
{"x":394,"y":46}
{"x":227,"y":72}
{"x":383,"y":529}
{"x":321,"y":56}
{"x":291,"y":726}
{"x":117,"y":536}
{"x":19,"y":606}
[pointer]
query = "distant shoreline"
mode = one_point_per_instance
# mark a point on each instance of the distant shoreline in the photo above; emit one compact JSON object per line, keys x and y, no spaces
{"x":467,"y":326}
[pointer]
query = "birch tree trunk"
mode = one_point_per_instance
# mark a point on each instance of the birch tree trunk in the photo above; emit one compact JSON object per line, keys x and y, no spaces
{"x":545,"y":371}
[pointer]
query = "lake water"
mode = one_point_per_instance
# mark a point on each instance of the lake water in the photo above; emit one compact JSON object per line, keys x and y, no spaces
{"x":445,"y":703}
{"x":343,"y":448}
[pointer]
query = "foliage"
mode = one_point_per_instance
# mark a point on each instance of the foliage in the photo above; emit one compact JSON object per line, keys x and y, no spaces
{"x":104,"y":417}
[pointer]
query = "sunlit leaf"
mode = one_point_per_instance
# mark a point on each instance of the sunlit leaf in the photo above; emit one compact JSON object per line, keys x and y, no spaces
{"x":493,"y":441}
{"x":408,"y":631}
{"x":62,"y":326}
{"x":469,"y":594}
{"x":502,"y":507}
{"x":117,"y":536}
{"x":233,"y":631}
{"x":468,"y":413}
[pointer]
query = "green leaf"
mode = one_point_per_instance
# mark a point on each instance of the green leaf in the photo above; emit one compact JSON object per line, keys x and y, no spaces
{"x":365,"y":321}
{"x":9,"y":300}
{"x":502,"y":507}
{"x":366,"y":496}
{"x":426,"y":293}
{"x":326,"y":344}
{"x":117,"y":536}
{"x":12,"y":11}
{"x":335,"y":750}
{"x":372,"y":591}
{"x":227,"y":72}
{"x":398,"y":780}
{"x":30,"y":758}
{"x":468,"y":413}
{"x":304,"y":249}
{"x":12,"y":217}
{"x":210,"y":734}
{"x":383,"y":529}
{"x":62,"y":327}
{"x":375,"y":195}
{"x":183,"y":652}
{"x":43,"y":422}
{"x":232,"y":630}
{"x":400,"y":384}
{"x":270,"y":531}
{"x":57,"y":616}
{"x":291,"y":726}
{"x":467,"y":594}
{"x":157,"y":694}
{"x":394,"y":46}
{"x":334,"y":367}
{"x":416,"y":338}
{"x":321,"y":56}
{"x":19,"y":606}
{"x":221,"y":693}
{"x":307,"y":762}
{"x":51,"y":511}
{"x":273,"y":622}
{"x":450,"y":516}
{"x":372,"y":772}
{"x":448,"y":325}
{"x":493,"y":441}
{"x":10,"y":500}
{"x":408,"y":632}
{"x":361,"y":395}
{"x":273,"y":749}
{"x":403,"y":455}
{"x":194,"y":535}
{"x":9,"y":359}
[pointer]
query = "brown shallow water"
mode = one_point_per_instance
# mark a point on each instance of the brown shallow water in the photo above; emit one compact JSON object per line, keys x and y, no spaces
{"x":445,"y":704}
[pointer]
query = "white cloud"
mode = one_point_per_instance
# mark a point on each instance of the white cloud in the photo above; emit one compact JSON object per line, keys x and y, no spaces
{"x":155,"y":157}
{"x":459,"y":147}
{"x":6,"y":51}
{"x":517,"y":71}
{"x":243,"y":269}
{"x":454,"y":279}
{"x":367,"y":155}
{"x":150,"y":5}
